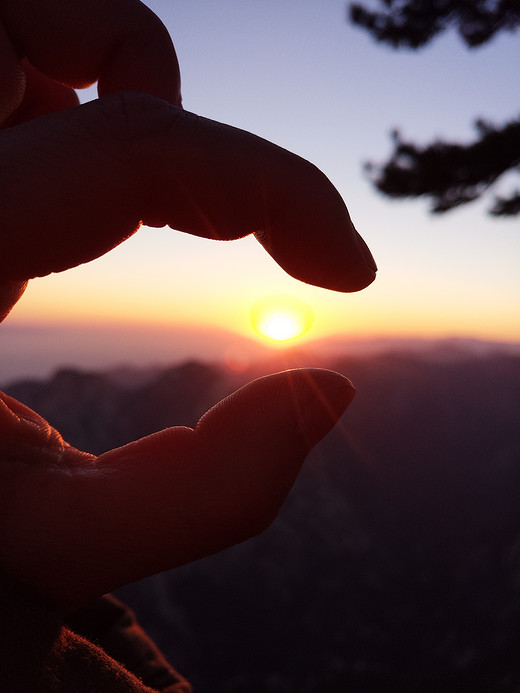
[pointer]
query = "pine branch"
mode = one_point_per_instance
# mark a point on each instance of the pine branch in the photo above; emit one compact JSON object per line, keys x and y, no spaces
{"x":507,"y":206}
{"x":413,"y":23}
{"x":452,"y":174}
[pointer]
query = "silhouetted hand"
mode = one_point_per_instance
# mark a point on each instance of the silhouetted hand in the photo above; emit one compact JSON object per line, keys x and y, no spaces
{"x":75,"y":182}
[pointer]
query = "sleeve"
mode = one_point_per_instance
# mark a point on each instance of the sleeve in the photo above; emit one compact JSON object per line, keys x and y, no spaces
{"x":100,"y":649}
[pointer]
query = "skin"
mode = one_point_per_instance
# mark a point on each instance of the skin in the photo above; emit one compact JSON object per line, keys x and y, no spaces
{"x":78,"y":180}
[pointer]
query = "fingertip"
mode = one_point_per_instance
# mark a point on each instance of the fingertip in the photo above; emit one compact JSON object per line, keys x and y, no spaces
{"x":10,"y":292}
{"x":42,"y":96}
{"x":307,"y":227}
{"x":289,"y":410}
{"x":325,"y":397}
{"x":367,"y":255}
{"x":145,"y":60}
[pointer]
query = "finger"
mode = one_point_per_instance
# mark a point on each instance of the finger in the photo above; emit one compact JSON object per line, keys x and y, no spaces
{"x":10,"y":292}
{"x":95,"y":172}
{"x":173,"y":497}
{"x":119,"y":43}
{"x":42,"y":95}
{"x":12,"y":78}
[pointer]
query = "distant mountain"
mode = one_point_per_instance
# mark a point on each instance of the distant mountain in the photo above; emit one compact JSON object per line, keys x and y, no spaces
{"x":394,"y":566}
{"x":98,"y":411}
{"x":38,"y":350}
{"x":447,"y":348}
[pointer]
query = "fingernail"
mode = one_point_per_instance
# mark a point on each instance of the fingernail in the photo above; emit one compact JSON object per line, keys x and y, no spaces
{"x":365,"y":251}
{"x":324,"y":406}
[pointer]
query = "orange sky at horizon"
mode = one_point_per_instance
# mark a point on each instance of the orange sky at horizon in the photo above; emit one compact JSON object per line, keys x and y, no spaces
{"x":190,"y":282}
{"x":158,"y":303}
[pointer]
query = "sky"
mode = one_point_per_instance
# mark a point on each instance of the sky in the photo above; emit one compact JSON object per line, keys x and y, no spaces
{"x":298,"y":74}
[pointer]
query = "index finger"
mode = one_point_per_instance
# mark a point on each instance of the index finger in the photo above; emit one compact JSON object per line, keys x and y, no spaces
{"x":119,"y":43}
{"x":108,"y":166}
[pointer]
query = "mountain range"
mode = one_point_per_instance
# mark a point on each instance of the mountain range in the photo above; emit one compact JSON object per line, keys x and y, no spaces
{"x":394,"y":565}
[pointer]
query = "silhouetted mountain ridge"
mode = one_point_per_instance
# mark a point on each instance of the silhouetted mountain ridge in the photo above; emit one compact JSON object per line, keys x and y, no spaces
{"x":393,"y":567}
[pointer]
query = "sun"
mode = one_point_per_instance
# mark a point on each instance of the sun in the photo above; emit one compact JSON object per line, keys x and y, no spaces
{"x":281,"y":318}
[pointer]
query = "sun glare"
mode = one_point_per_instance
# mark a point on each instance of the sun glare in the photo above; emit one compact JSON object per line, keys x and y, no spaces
{"x":281,"y":318}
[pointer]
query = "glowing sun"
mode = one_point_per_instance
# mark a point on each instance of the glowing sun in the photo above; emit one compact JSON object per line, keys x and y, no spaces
{"x":281,"y":318}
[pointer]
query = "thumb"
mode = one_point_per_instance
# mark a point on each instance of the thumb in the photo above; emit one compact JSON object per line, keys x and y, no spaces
{"x":177,"y":495}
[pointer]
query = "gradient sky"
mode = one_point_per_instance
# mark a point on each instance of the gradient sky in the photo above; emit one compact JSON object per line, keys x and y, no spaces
{"x":296,"y":73}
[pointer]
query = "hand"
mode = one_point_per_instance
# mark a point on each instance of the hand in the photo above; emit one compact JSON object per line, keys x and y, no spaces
{"x":78,"y":180}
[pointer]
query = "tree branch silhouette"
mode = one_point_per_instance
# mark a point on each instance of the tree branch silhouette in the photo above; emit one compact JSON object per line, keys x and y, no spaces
{"x":451,"y":174}
{"x":413,"y":23}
